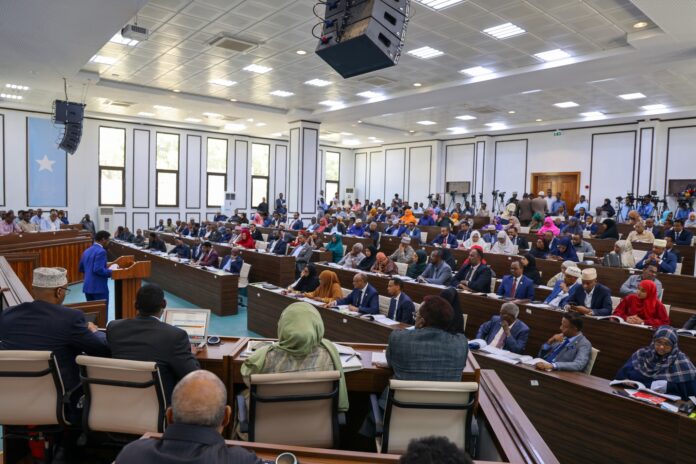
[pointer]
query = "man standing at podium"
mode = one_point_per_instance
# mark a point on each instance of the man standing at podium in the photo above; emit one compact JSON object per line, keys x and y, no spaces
{"x":93,"y":265}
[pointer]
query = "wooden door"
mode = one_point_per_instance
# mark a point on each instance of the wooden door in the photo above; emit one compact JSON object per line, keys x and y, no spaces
{"x":567,"y":183}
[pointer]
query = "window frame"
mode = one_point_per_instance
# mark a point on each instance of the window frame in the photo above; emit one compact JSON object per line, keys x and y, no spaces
{"x":266,"y":177}
{"x":107,"y":167}
{"x":215,"y":174}
{"x":332,"y":181}
{"x":167,"y":171}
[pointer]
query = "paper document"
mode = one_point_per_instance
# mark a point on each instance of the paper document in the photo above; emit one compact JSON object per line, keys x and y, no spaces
{"x":379,"y":358}
{"x":382,"y":319}
{"x":114,"y":267}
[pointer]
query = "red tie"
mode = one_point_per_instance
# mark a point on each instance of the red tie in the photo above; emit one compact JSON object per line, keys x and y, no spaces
{"x":514,"y":287}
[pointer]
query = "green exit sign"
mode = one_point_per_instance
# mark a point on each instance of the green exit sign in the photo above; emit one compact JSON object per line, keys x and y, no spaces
{"x":557,"y":133}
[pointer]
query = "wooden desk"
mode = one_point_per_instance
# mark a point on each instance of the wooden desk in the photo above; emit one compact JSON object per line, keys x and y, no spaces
{"x":207,"y":289}
{"x":582,"y":421}
{"x":62,"y":248}
{"x":15,"y":292}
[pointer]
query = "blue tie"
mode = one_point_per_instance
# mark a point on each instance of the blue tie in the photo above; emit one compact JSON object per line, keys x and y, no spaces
{"x":392,"y":309}
{"x":552,"y":357}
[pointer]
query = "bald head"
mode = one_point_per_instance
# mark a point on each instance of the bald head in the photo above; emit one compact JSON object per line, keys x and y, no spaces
{"x":200,"y":398}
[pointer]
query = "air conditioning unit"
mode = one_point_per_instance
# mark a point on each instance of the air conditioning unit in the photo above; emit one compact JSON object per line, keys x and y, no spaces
{"x":106,"y":219}
{"x":228,"y":206}
{"x":349,"y":194}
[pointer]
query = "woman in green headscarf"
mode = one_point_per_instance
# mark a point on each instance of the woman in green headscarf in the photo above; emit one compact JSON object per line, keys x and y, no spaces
{"x":537,"y":222}
{"x":335,"y":246}
{"x":301,"y":347}
{"x":416,"y":268}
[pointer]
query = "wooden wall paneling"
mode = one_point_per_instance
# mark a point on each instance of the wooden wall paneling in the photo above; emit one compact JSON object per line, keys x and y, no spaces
{"x":23,"y":264}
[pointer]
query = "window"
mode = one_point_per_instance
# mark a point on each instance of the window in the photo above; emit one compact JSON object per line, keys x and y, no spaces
{"x":260,"y":162}
{"x":167,"y":169}
{"x":331,"y":171}
{"x":217,"y":172}
{"x":112,"y":166}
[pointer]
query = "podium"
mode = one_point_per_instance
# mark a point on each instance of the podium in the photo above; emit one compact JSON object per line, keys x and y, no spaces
{"x":127,"y":281}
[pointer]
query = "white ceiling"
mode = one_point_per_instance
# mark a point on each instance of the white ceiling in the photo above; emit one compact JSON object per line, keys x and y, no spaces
{"x":598,"y":34}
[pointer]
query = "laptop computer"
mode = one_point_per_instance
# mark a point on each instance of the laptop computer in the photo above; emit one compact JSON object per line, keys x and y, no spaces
{"x":194,"y":321}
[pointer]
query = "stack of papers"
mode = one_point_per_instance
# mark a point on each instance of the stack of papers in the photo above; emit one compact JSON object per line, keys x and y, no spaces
{"x":350,"y":359}
{"x":382,"y":319}
{"x":504,"y":355}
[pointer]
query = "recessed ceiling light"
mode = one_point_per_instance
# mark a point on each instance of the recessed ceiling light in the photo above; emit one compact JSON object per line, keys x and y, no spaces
{"x":10,"y":96}
{"x":632,"y":96}
{"x":426,"y":123}
{"x":359,"y":121}
{"x":347,"y":133}
{"x":504,"y":31}
{"x":417,"y":84}
{"x":425,"y":53}
{"x":301,"y":52}
{"x":331,"y":103}
{"x":224,"y":82}
{"x":411,"y":132}
{"x":552,"y":55}
{"x":439,"y":4}
{"x":16,"y":87}
{"x":370,"y":94}
{"x":476,"y":71}
{"x":526,"y":92}
{"x":466,"y":117}
{"x":657,"y":106}
{"x":496,"y":125}
{"x":351,"y":142}
{"x":593,"y":115}
{"x":511,"y":112}
{"x":640,"y":25}
{"x":282,"y":93}
{"x":539,"y":120}
{"x":250,"y":119}
{"x":277,"y":134}
{"x":119,"y":39}
{"x":212,"y":115}
{"x":101,"y":59}
{"x":318,"y":82}
{"x":258,"y":69}
{"x":235,"y":127}
{"x":163,"y":107}
{"x":260,"y":124}
{"x":568,"y":104}
{"x":176,"y":91}
{"x":145,"y":113}
{"x":233,"y":99}
{"x":458,"y":130}
{"x":193,"y":120}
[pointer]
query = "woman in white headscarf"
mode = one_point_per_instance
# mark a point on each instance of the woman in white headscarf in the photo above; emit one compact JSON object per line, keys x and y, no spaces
{"x":475,"y":239}
{"x":503,"y":244}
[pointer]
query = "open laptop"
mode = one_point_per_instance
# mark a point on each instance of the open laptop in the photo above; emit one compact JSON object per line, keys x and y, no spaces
{"x":194,"y":321}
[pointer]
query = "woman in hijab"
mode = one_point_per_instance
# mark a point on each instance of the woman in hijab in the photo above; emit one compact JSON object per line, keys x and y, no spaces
{"x":529,"y":268}
{"x":514,"y":222}
{"x":563,"y":250}
{"x":662,"y":361}
{"x":621,"y":256}
{"x":329,"y":288}
{"x":643,"y":307}
{"x":245,"y":240}
{"x":301,"y":347}
{"x":416,"y":268}
{"x":323,"y":223}
{"x":550,"y":226}
{"x":540,"y":249}
{"x":503,"y":244}
{"x":408,"y":216}
{"x":258,"y":219}
{"x":335,"y":246}
{"x":536,"y":223}
{"x":451,"y":296}
{"x":573,"y":227}
{"x":384,"y":265}
{"x":475,"y":239}
{"x":609,"y":230}
{"x":308,"y":281}
{"x":369,"y":260}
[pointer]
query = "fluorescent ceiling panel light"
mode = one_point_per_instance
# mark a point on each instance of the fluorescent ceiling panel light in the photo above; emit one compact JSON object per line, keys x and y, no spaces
{"x":101,"y":59}
{"x":282,"y":93}
{"x":212,"y":115}
{"x":632,"y":96}
{"x":235,"y":127}
{"x":331,"y":103}
{"x":656,"y":107}
{"x":16,"y":87}
{"x":260,"y":124}
{"x":257,"y":68}
{"x":119,"y":39}
{"x":301,"y":52}
{"x":163,"y":107}
{"x":593,"y":115}
{"x":351,"y":142}
{"x":476,"y":71}
{"x":496,"y":125}
{"x":466,"y":117}
{"x":377,"y":141}
{"x":370,"y":94}
{"x":318,"y":82}
{"x":527,"y":92}
{"x":439,"y":4}
{"x":224,"y":82}
{"x":568,"y":104}
{"x":426,"y":123}
{"x":553,"y":55}
{"x":146,"y":114}
{"x":277,"y":134}
{"x":425,"y":53}
{"x":10,"y":96}
{"x":193,"y":120}
{"x":504,"y":31}
{"x":348,"y":134}
{"x":458,"y":130}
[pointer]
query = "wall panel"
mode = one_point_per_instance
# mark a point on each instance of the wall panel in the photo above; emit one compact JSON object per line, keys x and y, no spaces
{"x":419,"y":173}
{"x":510,"y":166}
{"x":681,"y":158}
{"x":309,"y":170}
{"x":360,"y":179}
{"x":141,"y":168}
{"x":613,"y":162}
{"x":377,"y":175}
{"x":395,"y":179}
{"x":2,"y":160}
{"x":193,"y":171}
{"x":141,"y":220}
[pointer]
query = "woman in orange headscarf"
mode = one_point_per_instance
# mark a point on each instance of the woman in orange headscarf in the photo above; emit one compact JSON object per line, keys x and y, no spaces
{"x":384,"y":265}
{"x":408,"y":216}
{"x":329,"y":288}
{"x":643,"y":307}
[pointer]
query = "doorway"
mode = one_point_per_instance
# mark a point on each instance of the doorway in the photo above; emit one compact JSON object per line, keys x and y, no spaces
{"x":568,"y":183}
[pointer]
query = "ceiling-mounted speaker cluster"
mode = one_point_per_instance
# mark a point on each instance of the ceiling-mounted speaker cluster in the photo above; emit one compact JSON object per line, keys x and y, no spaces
{"x":69,"y":114}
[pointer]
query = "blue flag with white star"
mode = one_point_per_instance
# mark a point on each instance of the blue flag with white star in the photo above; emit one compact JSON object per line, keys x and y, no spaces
{"x":47,"y":165}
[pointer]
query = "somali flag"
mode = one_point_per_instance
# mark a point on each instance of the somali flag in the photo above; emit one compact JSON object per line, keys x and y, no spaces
{"x":47,"y":165}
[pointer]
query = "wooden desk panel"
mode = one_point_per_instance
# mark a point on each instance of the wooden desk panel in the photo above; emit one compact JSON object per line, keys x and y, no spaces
{"x":204,"y":288}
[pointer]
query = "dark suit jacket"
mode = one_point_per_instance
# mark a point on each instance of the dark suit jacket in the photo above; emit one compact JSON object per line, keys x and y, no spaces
{"x":279,"y":247}
{"x":479,"y":281}
{"x":236,"y":265}
{"x":601,"y":299}
{"x":427,"y":354}
{"x":42,"y":326}
{"x":521,"y":242}
{"x":668,"y":264}
{"x":516,"y":342}
{"x":211,"y":260}
{"x":157,"y":245}
{"x":146,"y":338}
{"x":658,"y":232}
{"x":524,"y":290}
{"x":451,"y":240}
{"x":93,"y":265}
{"x":404,"y":311}
{"x":193,"y":444}
{"x":682,"y":238}
{"x":370,"y":304}
{"x":183,"y":251}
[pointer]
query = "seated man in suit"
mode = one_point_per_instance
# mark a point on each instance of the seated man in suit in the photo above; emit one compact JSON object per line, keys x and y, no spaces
{"x":364,"y":299}
{"x":181,"y":249}
{"x":445,"y":239}
{"x":474,"y":276}
{"x":208,"y":257}
{"x":255,"y":233}
{"x":45,"y":325}
{"x":516,"y":285}
{"x":653,"y":229}
{"x":156,"y":244}
{"x":413,"y":232}
{"x":146,"y":338}
{"x":233,"y":262}
{"x":437,"y":271}
{"x":296,"y":223}
{"x":564,"y":287}
{"x":302,"y":253}
{"x":401,"y":307}
{"x":568,"y":350}
{"x":139,"y":239}
{"x":353,"y":257}
{"x":520,"y":242}
{"x":357,"y":229}
{"x":127,"y":235}
{"x":505,"y":331}
{"x":670,"y":248}
{"x":196,"y":418}
{"x":279,"y":245}
{"x":679,"y":234}
{"x":591,"y":298}
{"x":664,"y":260}
{"x":464,"y":232}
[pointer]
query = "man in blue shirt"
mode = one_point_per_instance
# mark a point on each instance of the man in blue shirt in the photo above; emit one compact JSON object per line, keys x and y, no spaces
{"x":664,"y":260}
{"x":357,"y":229}
{"x":516,"y":285}
{"x":364,"y":299}
{"x":95,"y":268}
{"x":557,"y":204}
{"x":679,"y":234}
{"x":646,"y":208}
{"x":233,"y":262}
{"x":563,"y":287}
{"x":427,"y":219}
{"x":582,"y":204}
